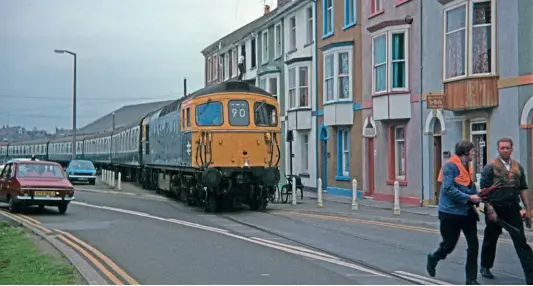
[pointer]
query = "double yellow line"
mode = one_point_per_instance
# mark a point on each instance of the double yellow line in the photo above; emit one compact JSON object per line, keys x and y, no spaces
{"x":90,"y":253}
{"x":369,"y":222}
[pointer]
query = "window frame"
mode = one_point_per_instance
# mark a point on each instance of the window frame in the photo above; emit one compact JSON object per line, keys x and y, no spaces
{"x":373,"y":10}
{"x":292,"y":33}
{"x":234,"y":62}
{"x":342,"y":151}
{"x":388,"y":33}
{"x":335,"y":52}
{"x":469,"y":12}
{"x":264,"y":47}
{"x":267,"y":78}
{"x":325,"y":19}
{"x":309,"y":24}
{"x":296,"y":67}
{"x":226,"y":66}
{"x":347,"y":23}
{"x":278,"y":41}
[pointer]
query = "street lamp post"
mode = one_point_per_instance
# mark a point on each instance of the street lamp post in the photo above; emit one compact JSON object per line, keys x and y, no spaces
{"x":74,"y":115}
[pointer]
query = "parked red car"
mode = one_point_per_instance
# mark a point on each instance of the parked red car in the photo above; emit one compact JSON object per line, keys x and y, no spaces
{"x":29,"y":182}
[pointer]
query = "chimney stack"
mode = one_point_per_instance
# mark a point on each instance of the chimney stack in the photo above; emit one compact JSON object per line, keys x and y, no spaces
{"x":267,"y":9}
{"x":283,"y":2}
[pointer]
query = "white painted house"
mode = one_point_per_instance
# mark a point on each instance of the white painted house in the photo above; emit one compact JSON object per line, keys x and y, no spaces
{"x":300,"y":89}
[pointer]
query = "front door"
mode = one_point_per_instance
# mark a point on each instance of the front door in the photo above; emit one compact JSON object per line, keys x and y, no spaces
{"x":437,"y":158}
{"x":370,"y":156}
{"x":324,"y":164}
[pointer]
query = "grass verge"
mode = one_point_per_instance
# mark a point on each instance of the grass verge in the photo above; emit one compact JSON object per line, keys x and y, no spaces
{"x":21,"y":262}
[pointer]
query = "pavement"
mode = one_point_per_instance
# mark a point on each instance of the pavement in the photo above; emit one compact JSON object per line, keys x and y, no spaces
{"x":155,"y":240}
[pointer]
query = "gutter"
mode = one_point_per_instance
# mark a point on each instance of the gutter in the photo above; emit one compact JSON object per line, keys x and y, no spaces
{"x":317,"y":128}
{"x":421,"y":113}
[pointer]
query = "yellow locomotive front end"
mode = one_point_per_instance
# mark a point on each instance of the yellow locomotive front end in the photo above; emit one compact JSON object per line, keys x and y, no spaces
{"x":236,"y":144}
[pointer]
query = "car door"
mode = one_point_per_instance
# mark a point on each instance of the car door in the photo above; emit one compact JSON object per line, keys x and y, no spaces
{"x":5,"y":181}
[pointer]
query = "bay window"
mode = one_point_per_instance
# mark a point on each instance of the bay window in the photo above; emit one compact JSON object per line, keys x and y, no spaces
{"x":469,"y":46}
{"x":338,"y":74}
{"x":299,"y":78}
{"x":390,"y":60}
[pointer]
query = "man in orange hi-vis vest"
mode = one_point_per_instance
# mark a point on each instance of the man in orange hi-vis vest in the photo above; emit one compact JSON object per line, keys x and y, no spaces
{"x":456,"y":211}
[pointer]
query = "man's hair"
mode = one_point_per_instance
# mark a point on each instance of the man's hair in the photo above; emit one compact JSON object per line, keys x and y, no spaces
{"x":504,"y":139}
{"x":463,"y":147}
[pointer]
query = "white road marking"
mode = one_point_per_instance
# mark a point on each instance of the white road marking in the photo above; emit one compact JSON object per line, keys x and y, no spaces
{"x":295,"y":247}
{"x":410,"y":276}
{"x":225,"y":232}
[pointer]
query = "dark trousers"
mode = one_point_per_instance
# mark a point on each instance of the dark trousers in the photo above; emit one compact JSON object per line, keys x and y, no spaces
{"x":241,"y":71}
{"x":450,"y":231}
{"x":510,"y":215}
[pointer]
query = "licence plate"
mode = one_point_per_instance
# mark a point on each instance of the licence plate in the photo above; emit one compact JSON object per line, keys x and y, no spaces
{"x":45,"y":194}
{"x":83,"y":179}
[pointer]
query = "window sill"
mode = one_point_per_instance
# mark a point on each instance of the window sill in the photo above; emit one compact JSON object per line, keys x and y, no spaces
{"x":342,"y":178}
{"x":278,"y":57}
{"x":309,"y":44}
{"x":402,"y":183}
{"x":265,"y":63}
{"x":401,"y":2}
{"x":304,"y":175}
{"x":472,"y":76}
{"x":306,"y":108}
{"x":338,"y":101}
{"x":292,"y":51}
{"x":325,"y":36}
{"x":348,"y":26}
{"x":376,"y":13}
{"x":393,"y":92}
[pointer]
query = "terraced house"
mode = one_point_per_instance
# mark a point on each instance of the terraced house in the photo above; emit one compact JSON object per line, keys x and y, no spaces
{"x":392,"y":110}
{"x":478,"y":77}
{"x":299,"y":73}
{"x":339,"y":88}
{"x":222,"y":57}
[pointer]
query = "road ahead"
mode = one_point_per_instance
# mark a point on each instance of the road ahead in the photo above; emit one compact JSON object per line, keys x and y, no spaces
{"x":165,"y":242}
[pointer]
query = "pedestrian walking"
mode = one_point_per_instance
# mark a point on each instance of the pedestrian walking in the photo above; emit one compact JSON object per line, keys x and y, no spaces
{"x":502,"y":208}
{"x":458,"y":197}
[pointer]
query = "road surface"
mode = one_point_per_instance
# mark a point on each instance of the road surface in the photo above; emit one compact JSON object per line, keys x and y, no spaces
{"x":164,"y":242}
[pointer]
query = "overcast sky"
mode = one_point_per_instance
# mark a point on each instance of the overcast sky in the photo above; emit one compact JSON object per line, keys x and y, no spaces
{"x":129,"y":51}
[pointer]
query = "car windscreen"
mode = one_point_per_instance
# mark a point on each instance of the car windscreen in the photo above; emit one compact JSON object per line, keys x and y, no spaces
{"x":29,"y":170}
{"x":81,"y":165}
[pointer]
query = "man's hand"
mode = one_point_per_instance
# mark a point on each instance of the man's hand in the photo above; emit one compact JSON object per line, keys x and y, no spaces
{"x":475,"y":199}
{"x":526,"y":216}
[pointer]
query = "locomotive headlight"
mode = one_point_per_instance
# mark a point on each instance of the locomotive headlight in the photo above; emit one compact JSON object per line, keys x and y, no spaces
{"x":246,"y":162}
{"x":267,"y":137}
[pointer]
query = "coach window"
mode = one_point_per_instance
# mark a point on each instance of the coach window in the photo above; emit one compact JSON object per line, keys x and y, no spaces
{"x":209,"y":114}
{"x":239,"y":114}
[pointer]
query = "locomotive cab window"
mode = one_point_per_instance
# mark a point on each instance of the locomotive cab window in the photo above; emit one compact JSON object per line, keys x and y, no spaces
{"x":209,"y":114}
{"x":238,"y":113}
{"x":265,"y":114}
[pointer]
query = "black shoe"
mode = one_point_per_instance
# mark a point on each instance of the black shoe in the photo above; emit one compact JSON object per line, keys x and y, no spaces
{"x":485,"y":272}
{"x":472,"y":282}
{"x":431,"y":265}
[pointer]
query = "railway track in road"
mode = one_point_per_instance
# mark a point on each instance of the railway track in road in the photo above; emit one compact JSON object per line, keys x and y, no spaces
{"x":403,"y":276}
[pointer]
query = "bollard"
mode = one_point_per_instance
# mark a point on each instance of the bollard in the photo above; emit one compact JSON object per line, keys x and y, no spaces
{"x":112,"y":179}
{"x":355,"y":204}
{"x":107,"y":178}
{"x":104,"y":176}
{"x":293,"y":191}
{"x":119,"y":181}
{"x":319,"y":202}
{"x":396,"y":198}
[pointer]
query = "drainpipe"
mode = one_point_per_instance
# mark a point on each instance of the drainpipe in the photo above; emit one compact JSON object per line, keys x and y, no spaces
{"x":421,"y":113}
{"x":317,"y":138}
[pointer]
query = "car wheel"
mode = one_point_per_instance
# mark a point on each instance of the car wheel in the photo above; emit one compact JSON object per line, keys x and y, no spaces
{"x":62,"y":208}
{"x":13,"y":206}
